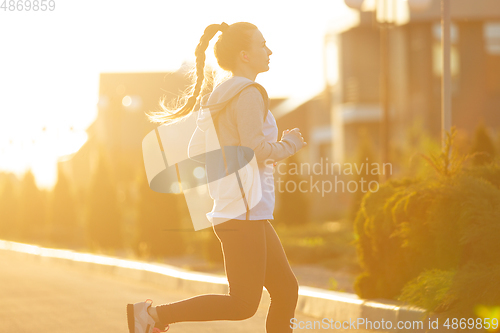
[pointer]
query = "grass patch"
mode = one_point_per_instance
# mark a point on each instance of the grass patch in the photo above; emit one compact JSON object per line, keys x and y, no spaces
{"x":328,"y":244}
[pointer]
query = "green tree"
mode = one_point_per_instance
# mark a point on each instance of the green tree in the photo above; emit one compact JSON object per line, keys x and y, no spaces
{"x":103,"y":218}
{"x":9,"y":210}
{"x":32,"y":211}
{"x":160,"y":231}
{"x":482,"y":146}
{"x":449,"y":162}
{"x":63,"y":224}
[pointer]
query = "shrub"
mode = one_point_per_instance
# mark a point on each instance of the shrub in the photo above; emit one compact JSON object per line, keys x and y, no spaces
{"x":433,"y":242}
{"x":382,"y":254}
{"x":430,"y":289}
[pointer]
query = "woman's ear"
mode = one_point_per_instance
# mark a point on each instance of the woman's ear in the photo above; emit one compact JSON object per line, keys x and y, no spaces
{"x":243,"y":56}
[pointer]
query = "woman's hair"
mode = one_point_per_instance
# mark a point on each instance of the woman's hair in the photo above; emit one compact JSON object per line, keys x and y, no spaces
{"x":234,"y":38}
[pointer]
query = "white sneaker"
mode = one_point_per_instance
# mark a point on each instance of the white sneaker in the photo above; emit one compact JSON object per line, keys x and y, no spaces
{"x":139,"y":320}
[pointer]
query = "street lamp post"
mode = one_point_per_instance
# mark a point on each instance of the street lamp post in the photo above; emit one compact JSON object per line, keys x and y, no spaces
{"x":420,"y":5}
{"x":385,"y":17}
{"x":446,"y":101}
{"x":446,"y":73}
{"x":384,"y":89}
{"x":385,"y":14}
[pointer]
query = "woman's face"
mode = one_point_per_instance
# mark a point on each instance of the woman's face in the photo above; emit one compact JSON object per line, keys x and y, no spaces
{"x":258,"y":54}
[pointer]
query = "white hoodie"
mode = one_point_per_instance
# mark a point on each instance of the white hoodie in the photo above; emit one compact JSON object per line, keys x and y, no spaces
{"x":247,"y":129}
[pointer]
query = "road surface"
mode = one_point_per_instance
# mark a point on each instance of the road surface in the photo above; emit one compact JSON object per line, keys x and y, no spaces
{"x":51,"y":298}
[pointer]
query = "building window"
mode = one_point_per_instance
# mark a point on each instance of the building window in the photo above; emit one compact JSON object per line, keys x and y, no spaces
{"x":331,"y":61}
{"x":492,"y":37}
{"x":492,"y":45}
{"x":437,"y":54}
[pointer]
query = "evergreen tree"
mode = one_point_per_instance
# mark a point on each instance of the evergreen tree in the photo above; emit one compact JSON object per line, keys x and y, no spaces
{"x":32,"y":211}
{"x":63,"y":223}
{"x":103,"y":219}
{"x":482,"y":145}
{"x":9,"y":210}
{"x":160,"y":231}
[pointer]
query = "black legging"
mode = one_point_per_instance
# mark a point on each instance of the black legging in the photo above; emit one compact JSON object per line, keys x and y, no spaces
{"x":253,"y":257}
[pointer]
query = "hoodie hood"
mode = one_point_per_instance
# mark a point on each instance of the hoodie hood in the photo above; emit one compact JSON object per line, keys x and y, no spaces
{"x":220,"y":97}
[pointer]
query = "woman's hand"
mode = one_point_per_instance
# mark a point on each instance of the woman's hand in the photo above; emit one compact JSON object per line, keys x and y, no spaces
{"x":294,"y":131}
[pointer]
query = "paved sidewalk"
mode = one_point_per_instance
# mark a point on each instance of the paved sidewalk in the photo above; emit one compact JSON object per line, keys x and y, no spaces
{"x":51,"y":297}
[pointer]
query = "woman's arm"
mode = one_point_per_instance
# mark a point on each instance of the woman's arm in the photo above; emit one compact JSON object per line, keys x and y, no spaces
{"x":250,"y":112}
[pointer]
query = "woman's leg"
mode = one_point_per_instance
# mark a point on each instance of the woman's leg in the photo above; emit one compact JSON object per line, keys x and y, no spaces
{"x":244,"y":249}
{"x":281,"y":283}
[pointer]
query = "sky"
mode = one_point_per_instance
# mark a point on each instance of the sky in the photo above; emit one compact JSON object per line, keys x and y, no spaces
{"x":51,"y":60}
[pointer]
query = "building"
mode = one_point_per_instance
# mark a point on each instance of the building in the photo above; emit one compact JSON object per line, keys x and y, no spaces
{"x":333,"y":122}
{"x":121,"y":124}
{"x":415,"y":73}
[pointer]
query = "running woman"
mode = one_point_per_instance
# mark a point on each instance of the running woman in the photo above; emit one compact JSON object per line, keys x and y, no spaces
{"x":253,"y":254}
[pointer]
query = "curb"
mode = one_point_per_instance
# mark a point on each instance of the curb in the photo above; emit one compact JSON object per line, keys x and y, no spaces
{"x":315,"y":302}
